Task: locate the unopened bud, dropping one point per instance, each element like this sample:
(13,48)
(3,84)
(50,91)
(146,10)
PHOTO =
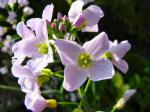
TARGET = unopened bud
(52,103)
(28,11)
(128,94)
(62,27)
(53,25)
(59,16)
(65,18)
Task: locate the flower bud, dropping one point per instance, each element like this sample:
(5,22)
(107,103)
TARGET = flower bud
(52,103)
(23,2)
(62,27)
(65,18)
(53,25)
(59,16)
(28,11)
(128,94)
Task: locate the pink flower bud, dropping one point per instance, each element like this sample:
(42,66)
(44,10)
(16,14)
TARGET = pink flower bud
(53,25)
(62,27)
(65,18)
(59,16)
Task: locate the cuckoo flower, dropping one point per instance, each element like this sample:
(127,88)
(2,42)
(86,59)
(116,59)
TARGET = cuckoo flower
(88,19)
(34,46)
(83,61)
(27,76)
(116,52)
(35,102)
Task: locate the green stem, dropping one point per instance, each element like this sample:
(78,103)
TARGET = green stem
(9,88)
(87,86)
(58,75)
(114,109)
(80,92)
(83,94)
(50,91)
(67,103)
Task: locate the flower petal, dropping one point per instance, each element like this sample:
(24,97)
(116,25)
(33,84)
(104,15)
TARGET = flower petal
(122,65)
(75,10)
(97,46)
(19,55)
(73,78)
(101,70)
(128,94)
(36,65)
(20,71)
(48,12)
(68,51)
(30,48)
(33,22)
(93,14)
(23,31)
(28,84)
(35,102)
(41,31)
(93,28)
(121,49)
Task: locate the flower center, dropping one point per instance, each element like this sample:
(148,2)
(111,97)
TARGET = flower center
(42,48)
(85,60)
(108,55)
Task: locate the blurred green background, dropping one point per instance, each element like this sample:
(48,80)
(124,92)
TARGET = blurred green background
(123,20)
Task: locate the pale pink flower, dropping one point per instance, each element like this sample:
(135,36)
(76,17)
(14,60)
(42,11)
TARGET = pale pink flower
(116,52)
(35,102)
(83,62)
(3,3)
(32,45)
(27,77)
(86,19)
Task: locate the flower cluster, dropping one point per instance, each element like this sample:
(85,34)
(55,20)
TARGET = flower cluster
(42,37)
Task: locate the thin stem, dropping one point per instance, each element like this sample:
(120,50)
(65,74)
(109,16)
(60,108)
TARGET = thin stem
(9,88)
(114,109)
(50,91)
(80,92)
(58,75)
(67,103)
(83,94)
(87,86)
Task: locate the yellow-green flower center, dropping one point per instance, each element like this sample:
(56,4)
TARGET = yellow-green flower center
(108,55)
(85,60)
(42,48)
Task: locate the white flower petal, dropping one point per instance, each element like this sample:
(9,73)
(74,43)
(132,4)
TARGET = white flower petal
(101,70)
(69,51)
(121,64)
(73,78)
(97,46)
(75,10)
(48,12)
